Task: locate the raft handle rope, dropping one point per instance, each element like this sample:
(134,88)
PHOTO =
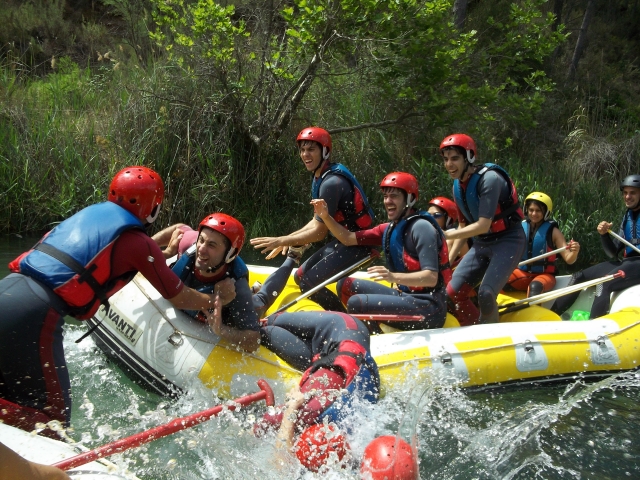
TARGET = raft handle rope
(177,333)
(600,340)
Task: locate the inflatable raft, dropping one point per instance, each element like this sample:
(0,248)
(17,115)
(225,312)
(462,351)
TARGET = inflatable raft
(168,351)
(47,451)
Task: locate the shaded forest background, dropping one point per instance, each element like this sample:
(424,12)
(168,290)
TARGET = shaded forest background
(212,96)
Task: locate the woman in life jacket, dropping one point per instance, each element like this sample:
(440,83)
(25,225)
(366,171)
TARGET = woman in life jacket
(445,212)
(543,235)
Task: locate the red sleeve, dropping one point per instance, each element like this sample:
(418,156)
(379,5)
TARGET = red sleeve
(135,251)
(373,236)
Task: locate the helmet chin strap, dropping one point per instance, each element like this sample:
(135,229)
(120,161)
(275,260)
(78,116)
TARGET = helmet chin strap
(320,165)
(228,258)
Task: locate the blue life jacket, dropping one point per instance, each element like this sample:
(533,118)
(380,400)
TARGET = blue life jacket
(184,268)
(399,260)
(468,201)
(74,259)
(631,231)
(362,214)
(541,243)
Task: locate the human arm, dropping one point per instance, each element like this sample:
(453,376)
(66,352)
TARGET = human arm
(314,231)
(343,235)
(423,278)
(286,432)
(13,466)
(611,247)
(570,255)
(455,248)
(241,327)
(480,227)
(163,237)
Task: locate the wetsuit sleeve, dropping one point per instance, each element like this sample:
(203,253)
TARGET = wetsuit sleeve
(422,242)
(135,251)
(613,247)
(337,192)
(239,313)
(491,188)
(373,236)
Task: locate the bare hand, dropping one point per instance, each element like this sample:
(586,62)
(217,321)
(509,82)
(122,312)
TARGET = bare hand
(174,243)
(226,290)
(604,227)
(380,273)
(574,246)
(214,316)
(320,208)
(273,245)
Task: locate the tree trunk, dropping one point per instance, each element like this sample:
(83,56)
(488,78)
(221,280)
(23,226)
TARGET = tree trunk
(460,13)
(557,11)
(582,38)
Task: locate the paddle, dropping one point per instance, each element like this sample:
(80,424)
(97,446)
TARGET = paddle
(163,430)
(379,317)
(628,244)
(545,297)
(335,278)
(544,255)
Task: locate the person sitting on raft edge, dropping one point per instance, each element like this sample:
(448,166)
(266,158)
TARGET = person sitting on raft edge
(630,264)
(208,261)
(347,204)
(416,254)
(543,235)
(490,213)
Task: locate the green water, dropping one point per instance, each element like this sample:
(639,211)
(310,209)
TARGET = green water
(573,431)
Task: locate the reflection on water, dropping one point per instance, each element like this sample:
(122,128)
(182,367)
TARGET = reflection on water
(559,432)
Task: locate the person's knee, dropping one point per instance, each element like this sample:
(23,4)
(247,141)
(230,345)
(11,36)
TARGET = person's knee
(459,295)
(486,299)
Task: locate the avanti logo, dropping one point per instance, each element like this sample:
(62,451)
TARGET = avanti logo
(122,325)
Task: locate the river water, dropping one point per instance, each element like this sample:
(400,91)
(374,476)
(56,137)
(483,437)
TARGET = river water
(569,431)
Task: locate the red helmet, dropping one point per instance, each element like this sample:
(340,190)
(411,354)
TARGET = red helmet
(230,228)
(463,141)
(389,457)
(139,190)
(447,205)
(319,135)
(318,443)
(403,181)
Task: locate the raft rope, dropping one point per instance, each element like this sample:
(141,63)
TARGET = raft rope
(177,331)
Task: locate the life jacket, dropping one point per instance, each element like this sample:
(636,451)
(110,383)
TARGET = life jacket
(399,260)
(74,259)
(631,231)
(184,268)
(362,214)
(507,212)
(360,370)
(542,242)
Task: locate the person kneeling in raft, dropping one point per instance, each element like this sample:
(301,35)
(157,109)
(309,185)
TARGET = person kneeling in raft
(416,253)
(543,236)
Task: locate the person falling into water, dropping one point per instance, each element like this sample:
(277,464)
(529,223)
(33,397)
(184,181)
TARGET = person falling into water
(543,235)
(416,253)
(630,264)
(346,203)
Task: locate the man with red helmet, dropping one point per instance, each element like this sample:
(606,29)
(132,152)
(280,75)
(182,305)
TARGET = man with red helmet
(209,262)
(489,212)
(73,270)
(416,253)
(346,203)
